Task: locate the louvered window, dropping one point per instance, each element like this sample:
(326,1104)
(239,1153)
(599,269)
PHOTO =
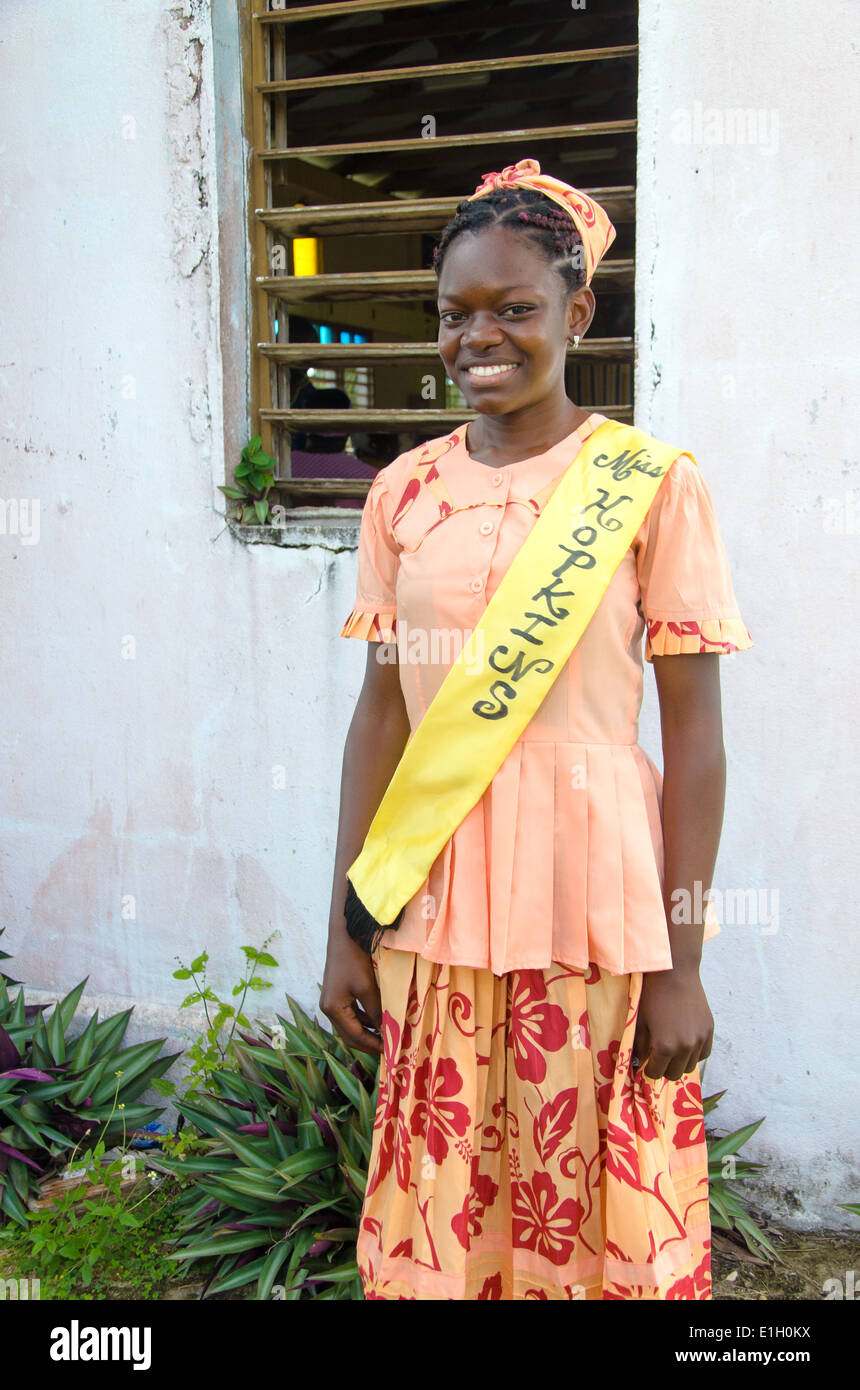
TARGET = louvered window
(370,120)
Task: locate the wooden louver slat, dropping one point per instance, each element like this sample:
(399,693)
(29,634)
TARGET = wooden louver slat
(436,70)
(581,130)
(398,215)
(361,354)
(393,284)
(385,421)
(337,9)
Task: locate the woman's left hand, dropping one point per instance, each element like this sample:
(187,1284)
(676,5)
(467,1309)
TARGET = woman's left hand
(674,1025)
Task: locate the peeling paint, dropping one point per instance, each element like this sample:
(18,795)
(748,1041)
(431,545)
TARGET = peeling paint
(187,39)
(186,32)
(199,414)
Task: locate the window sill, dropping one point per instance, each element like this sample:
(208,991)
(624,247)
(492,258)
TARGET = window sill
(332,528)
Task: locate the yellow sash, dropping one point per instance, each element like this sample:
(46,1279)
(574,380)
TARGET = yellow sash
(524,638)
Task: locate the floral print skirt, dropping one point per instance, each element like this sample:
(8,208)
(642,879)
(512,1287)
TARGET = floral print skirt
(516,1154)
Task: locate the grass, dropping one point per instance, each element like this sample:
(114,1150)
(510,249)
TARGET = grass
(134,1263)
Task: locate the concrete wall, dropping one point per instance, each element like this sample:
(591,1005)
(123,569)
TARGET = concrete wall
(157,669)
(177,700)
(747,292)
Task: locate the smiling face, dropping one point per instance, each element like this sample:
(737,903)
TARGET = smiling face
(505,319)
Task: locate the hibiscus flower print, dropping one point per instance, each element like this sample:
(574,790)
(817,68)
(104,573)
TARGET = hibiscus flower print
(436,1117)
(688,1107)
(393,1082)
(624,1292)
(536,1026)
(554,1124)
(689,629)
(395,1077)
(489,1184)
(622,1159)
(604,1096)
(390,1041)
(393,1152)
(542,1223)
(373,1225)
(482,1194)
(606,1058)
(696,1285)
(702,1275)
(636,1107)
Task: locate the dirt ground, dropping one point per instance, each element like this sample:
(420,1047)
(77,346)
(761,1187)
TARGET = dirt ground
(806,1262)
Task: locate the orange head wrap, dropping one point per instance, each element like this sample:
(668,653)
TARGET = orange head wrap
(591,221)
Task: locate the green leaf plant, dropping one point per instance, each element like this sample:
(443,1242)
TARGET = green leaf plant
(728,1209)
(57,1087)
(253,481)
(278,1178)
(213,1050)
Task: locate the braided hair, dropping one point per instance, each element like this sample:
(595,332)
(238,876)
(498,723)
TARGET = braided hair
(524,210)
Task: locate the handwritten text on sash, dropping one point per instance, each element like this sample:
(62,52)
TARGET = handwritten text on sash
(551,612)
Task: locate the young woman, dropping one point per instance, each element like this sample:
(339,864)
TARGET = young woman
(539,1011)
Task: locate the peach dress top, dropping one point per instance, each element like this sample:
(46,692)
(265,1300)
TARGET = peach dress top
(562,857)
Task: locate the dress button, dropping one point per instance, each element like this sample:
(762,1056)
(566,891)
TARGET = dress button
(476,586)
(486,528)
(498,479)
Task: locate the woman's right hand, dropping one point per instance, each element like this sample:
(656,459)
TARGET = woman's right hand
(350,997)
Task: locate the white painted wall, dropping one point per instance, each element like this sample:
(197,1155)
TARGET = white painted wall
(747,311)
(149,777)
(152,777)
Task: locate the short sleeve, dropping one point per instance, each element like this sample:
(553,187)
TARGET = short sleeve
(687,596)
(374,614)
